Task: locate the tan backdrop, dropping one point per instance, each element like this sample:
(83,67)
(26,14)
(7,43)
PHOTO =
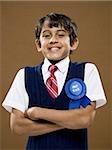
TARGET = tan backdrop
(18,20)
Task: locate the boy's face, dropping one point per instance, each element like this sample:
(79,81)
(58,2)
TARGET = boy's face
(55,42)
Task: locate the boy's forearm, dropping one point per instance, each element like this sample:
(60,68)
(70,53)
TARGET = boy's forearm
(21,125)
(73,119)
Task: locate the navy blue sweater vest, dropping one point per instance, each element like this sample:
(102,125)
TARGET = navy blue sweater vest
(38,96)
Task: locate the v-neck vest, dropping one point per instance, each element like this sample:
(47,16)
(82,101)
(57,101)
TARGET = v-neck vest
(38,96)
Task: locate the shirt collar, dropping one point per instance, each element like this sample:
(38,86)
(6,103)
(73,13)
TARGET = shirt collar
(62,65)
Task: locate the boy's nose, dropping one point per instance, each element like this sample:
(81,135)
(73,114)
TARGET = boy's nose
(53,39)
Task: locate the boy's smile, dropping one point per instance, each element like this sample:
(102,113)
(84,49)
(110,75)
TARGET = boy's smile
(54,47)
(54,42)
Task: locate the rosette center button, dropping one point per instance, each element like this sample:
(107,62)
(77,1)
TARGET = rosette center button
(76,88)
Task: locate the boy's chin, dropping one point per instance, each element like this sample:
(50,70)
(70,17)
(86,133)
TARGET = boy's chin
(54,61)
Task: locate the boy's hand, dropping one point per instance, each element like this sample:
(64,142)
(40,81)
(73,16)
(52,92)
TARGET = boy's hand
(33,113)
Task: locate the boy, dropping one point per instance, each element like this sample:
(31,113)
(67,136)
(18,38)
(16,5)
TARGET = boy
(40,97)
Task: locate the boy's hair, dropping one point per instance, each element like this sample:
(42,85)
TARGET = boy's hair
(56,20)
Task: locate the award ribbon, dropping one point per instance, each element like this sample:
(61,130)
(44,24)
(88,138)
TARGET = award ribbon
(75,89)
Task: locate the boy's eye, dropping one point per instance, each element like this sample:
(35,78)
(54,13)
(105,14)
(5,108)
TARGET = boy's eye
(47,35)
(61,34)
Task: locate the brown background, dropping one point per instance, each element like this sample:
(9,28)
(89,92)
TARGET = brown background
(17,47)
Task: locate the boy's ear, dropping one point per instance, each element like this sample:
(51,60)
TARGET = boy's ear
(75,44)
(38,45)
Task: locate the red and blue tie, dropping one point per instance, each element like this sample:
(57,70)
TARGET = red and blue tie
(51,82)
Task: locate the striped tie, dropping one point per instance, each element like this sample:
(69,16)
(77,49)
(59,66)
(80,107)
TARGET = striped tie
(51,82)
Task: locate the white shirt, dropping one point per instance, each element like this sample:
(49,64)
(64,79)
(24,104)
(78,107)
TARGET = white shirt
(17,96)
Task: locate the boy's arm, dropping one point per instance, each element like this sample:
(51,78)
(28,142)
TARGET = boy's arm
(21,125)
(72,119)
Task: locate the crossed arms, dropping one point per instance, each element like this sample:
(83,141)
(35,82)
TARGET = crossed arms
(27,123)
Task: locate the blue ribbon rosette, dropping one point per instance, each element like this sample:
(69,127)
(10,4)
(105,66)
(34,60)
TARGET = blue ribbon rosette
(76,89)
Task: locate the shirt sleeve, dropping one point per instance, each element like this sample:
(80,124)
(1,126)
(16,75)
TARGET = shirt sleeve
(95,91)
(17,96)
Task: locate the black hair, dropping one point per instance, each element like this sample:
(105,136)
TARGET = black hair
(56,20)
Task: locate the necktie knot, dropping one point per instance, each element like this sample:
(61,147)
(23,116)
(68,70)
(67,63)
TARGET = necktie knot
(52,68)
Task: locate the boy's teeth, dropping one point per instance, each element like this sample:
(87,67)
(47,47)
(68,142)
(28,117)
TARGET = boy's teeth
(54,48)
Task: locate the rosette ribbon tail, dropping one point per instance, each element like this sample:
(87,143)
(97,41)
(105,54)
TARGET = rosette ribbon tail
(74,104)
(85,101)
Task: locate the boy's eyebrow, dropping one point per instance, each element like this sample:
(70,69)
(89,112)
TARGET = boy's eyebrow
(56,31)
(45,31)
(61,30)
